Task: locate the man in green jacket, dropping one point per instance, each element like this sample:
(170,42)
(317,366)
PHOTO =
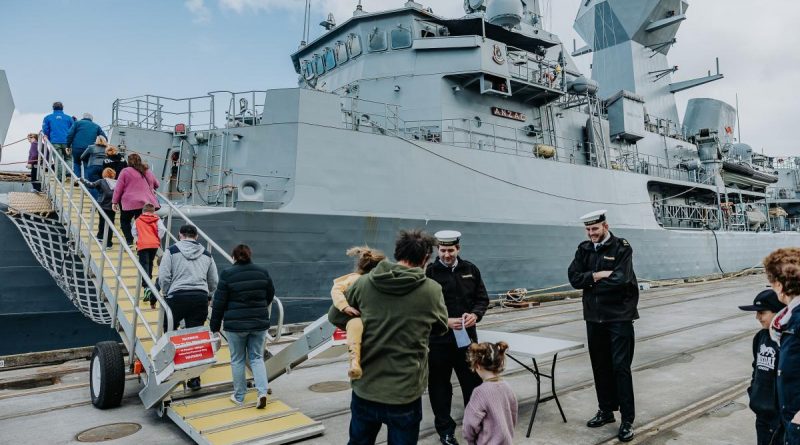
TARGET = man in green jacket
(401,309)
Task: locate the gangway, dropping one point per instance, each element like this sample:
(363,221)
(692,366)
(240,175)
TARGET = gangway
(166,358)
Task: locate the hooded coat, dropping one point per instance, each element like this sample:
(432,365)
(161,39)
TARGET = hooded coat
(400,309)
(187,266)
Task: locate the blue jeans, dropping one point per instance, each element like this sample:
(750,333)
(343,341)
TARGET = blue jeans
(76,161)
(252,343)
(402,421)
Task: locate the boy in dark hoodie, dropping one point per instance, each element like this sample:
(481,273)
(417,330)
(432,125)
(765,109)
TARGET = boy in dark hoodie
(763,391)
(105,187)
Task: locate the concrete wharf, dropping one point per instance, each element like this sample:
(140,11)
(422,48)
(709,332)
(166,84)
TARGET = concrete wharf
(691,368)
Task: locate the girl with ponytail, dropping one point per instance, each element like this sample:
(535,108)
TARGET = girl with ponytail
(491,415)
(366,260)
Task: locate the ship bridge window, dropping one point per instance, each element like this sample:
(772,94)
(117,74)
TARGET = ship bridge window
(341,53)
(308,69)
(354,45)
(330,59)
(377,40)
(401,37)
(319,65)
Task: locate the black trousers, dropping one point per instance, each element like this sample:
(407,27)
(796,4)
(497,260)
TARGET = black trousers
(101,227)
(126,217)
(443,359)
(37,186)
(769,430)
(192,307)
(146,259)
(611,352)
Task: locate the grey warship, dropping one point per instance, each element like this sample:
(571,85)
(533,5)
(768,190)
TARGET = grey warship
(484,124)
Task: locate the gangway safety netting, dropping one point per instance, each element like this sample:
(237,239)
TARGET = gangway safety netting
(49,243)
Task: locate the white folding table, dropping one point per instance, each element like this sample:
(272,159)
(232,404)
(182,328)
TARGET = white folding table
(536,348)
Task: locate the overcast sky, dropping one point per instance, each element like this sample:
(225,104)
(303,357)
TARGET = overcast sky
(87,53)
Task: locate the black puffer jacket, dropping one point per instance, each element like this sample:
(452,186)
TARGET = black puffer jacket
(611,299)
(243,296)
(464,292)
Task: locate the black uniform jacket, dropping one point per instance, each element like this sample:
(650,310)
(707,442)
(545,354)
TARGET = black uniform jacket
(611,299)
(464,292)
(763,391)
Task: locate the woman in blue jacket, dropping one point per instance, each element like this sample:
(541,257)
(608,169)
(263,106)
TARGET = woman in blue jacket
(783,272)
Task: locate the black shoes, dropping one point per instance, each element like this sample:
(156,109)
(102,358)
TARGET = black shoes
(625,432)
(193,384)
(448,439)
(600,419)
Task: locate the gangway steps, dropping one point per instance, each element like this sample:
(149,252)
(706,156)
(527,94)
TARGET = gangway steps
(208,419)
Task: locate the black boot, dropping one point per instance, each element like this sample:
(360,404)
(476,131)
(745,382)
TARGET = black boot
(600,419)
(625,431)
(193,384)
(448,439)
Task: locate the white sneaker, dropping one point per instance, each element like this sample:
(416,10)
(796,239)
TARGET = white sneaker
(236,402)
(262,402)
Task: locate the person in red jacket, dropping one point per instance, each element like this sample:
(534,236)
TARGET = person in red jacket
(148,229)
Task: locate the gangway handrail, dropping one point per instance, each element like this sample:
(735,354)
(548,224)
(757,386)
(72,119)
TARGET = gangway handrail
(213,247)
(51,157)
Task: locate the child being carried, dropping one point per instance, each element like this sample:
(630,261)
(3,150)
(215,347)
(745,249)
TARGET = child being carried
(366,260)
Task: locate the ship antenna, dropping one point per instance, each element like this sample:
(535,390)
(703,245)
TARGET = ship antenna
(306,25)
(738,119)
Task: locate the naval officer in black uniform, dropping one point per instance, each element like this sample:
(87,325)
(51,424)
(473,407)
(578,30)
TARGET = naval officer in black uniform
(466,300)
(603,269)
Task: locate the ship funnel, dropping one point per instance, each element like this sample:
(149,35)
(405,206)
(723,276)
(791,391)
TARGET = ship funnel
(506,13)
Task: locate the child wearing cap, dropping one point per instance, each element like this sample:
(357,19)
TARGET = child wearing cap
(366,260)
(763,391)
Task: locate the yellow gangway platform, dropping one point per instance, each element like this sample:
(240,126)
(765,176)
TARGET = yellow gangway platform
(208,416)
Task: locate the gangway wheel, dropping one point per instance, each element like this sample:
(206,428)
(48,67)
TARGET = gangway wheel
(107,375)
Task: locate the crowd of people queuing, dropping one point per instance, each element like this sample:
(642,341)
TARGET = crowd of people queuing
(411,323)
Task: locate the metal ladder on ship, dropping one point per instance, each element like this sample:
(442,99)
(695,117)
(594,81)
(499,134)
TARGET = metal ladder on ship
(208,416)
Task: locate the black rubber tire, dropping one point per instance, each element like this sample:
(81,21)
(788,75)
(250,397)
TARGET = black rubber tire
(111,367)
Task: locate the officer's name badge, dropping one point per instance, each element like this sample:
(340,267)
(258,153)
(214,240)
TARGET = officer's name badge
(610,258)
(466,276)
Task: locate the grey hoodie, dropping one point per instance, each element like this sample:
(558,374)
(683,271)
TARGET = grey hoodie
(187,266)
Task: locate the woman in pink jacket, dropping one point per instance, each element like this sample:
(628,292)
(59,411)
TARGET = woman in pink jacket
(135,188)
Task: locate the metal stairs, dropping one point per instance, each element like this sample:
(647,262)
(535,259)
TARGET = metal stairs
(207,416)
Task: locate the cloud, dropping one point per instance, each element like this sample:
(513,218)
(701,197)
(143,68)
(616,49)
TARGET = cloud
(199,10)
(21,125)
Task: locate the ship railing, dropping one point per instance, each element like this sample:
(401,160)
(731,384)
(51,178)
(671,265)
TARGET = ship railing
(686,216)
(245,108)
(112,267)
(370,116)
(784,224)
(533,68)
(164,113)
(656,166)
(175,216)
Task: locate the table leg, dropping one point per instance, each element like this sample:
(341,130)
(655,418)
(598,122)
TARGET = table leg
(553,387)
(538,396)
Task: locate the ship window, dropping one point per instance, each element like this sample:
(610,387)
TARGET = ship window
(308,69)
(330,59)
(319,66)
(341,53)
(401,37)
(377,40)
(354,45)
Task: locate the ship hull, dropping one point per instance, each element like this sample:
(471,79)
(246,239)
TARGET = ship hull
(305,252)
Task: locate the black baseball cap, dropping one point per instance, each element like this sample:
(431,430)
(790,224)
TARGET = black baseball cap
(766,300)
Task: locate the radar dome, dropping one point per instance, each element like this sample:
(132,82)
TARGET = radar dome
(507,13)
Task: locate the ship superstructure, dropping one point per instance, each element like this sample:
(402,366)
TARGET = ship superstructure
(403,118)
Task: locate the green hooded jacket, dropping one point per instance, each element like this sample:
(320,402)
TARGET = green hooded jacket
(401,309)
